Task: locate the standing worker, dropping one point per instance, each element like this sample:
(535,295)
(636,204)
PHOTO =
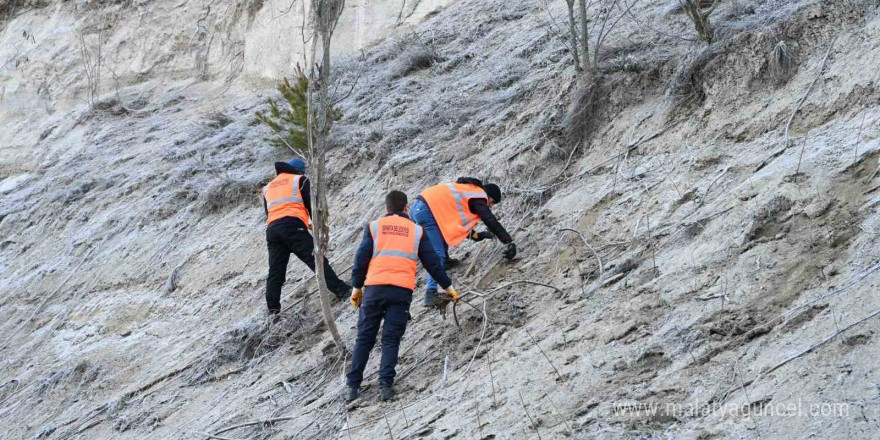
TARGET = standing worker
(449,212)
(288,205)
(386,263)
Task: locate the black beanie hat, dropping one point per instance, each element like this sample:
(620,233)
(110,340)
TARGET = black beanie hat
(493,191)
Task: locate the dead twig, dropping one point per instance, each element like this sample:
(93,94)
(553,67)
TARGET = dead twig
(561,415)
(627,149)
(746,393)
(596,254)
(856,143)
(492,381)
(390,434)
(545,355)
(253,423)
(531,421)
(506,285)
(823,342)
(482,333)
(476,258)
(797,171)
(712,183)
(797,108)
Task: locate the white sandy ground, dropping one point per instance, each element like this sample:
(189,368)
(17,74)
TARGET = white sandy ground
(733,302)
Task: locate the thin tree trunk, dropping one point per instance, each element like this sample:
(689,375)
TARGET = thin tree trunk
(574,36)
(325,16)
(585,36)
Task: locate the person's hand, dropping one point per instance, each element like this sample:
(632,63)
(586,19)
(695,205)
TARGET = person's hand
(309,226)
(509,251)
(453,294)
(480,236)
(357,297)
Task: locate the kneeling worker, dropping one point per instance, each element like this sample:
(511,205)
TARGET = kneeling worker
(449,212)
(287,200)
(386,263)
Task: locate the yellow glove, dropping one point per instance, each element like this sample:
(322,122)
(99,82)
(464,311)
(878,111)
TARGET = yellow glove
(309,226)
(357,297)
(452,293)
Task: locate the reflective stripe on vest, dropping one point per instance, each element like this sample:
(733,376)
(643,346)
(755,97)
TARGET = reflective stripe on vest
(414,255)
(459,203)
(395,254)
(290,204)
(449,204)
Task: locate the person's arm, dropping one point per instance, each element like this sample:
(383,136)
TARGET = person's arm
(481,208)
(362,260)
(305,190)
(265,205)
(432,264)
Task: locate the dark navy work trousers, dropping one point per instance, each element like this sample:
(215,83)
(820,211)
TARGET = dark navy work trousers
(388,303)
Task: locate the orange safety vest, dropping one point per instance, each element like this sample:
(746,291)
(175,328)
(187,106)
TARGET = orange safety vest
(449,203)
(395,252)
(284,199)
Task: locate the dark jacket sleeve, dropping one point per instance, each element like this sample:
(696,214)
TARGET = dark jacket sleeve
(305,190)
(431,262)
(481,208)
(265,205)
(362,259)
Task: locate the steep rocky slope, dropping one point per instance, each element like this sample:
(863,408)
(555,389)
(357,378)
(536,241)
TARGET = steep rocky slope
(708,275)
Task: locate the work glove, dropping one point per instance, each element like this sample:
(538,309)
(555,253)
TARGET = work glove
(357,297)
(480,236)
(309,227)
(453,294)
(509,251)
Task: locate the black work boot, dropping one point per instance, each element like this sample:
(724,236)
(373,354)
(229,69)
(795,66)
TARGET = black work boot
(342,291)
(351,393)
(451,263)
(386,393)
(430,297)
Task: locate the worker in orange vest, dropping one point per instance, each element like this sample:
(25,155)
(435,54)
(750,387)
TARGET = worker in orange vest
(448,212)
(386,263)
(287,201)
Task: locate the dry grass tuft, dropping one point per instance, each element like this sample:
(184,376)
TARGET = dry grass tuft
(248,340)
(415,57)
(781,64)
(686,88)
(584,113)
(413,54)
(227,195)
(77,375)
(217,120)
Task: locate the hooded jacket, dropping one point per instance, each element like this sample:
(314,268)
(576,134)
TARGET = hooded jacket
(304,188)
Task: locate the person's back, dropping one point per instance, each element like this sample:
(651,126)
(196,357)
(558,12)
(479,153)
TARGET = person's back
(449,212)
(287,202)
(383,279)
(284,199)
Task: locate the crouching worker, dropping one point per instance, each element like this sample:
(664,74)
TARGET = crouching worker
(287,201)
(449,212)
(386,263)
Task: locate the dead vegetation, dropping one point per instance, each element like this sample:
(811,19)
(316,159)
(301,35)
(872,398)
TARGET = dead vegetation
(686,89)
(248,340)
(78,376)
(227,195)
(585,111)
(415,55)
(781,63)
